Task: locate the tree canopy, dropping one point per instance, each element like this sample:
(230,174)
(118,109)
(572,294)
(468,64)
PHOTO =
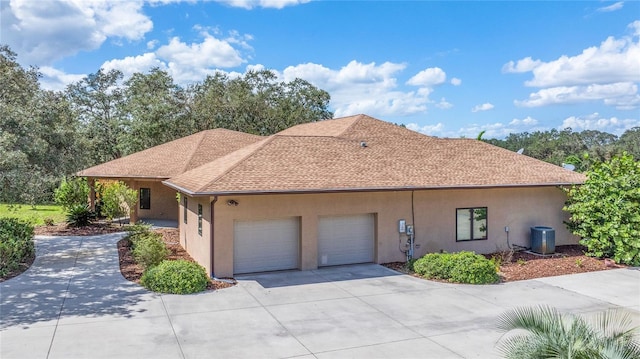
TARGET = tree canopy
(605,210)
(47,135)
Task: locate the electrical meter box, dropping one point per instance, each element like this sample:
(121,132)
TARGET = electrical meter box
(402,225)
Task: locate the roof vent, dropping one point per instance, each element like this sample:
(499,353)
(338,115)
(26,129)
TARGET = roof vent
(363,144)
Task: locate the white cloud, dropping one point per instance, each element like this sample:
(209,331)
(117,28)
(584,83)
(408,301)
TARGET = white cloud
(428,77)
(250,4)
(623,95)
(152,44)
(527,121)
(44,31)
(444,104)
(608,72)
(431,130)
(525,65)
(187,63)
(613,61)
(54,79)
(209,53)
(596,122)
(363,88)
(484,107)
(456,81)
(501,130)
(612,7)
(132,64)
(492,130)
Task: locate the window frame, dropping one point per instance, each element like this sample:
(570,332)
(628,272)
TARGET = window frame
(146,199)
(185,211)
(199,219)
(472,223)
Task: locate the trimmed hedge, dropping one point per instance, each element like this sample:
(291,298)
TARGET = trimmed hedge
(16,244)
(175,277)
(461,267)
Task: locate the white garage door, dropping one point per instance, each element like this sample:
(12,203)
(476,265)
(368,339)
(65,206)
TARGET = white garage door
(346,239)
(265,245)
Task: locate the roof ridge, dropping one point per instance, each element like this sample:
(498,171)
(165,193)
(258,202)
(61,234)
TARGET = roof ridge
(357,119)
(241,160)
(194,151)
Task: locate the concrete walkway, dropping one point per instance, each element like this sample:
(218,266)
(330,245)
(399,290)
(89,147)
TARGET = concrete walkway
(73,303)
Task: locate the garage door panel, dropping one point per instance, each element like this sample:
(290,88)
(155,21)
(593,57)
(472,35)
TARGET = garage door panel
(346,239)
(266,245)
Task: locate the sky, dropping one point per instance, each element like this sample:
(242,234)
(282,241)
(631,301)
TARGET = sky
(447,69)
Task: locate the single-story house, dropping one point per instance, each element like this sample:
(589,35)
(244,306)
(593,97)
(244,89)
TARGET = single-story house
(346,190)
(145,170)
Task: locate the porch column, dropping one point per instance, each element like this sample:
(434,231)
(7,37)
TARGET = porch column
(133,212)
(92,193)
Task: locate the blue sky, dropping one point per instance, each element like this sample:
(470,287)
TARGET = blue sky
(447,69)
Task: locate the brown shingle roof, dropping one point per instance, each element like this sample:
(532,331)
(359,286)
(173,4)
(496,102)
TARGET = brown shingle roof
(173,158)
(330,156)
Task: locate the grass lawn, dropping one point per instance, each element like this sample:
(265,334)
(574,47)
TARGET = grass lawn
(35,215)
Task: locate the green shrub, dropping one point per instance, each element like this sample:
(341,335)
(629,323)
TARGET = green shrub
(176,277)
(434,266)
(137,230)
(461,267)
(149,249)
(80,215)
(473,268)
(118,200)
(410,263)
(16,244)
(72,192)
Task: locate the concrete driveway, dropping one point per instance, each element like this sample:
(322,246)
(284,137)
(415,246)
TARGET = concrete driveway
(73,303)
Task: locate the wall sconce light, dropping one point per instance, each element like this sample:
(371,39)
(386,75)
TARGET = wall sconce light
(232,202)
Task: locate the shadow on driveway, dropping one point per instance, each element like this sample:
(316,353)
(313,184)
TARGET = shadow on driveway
(321,275)
(71,277)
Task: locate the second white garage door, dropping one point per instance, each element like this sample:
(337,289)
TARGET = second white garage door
(266,245)
(346,239)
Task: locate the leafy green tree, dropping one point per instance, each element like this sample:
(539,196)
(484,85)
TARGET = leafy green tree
(72,192)
(118,200)
(581,149)
(605,210)
(256,103)
(157,111)
(98,101)
(630,142)
(543,332)
(38,138)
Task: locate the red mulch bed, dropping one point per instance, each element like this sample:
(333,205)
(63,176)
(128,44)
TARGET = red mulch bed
(61,229)
(133,271)
(523,265)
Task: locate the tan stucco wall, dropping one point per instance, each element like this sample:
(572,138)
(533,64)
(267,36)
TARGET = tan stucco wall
(517,208)
(163,200)
(435,216)
(198,246)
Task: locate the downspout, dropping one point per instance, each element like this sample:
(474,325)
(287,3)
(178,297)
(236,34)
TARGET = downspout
(211,227)
(412,236)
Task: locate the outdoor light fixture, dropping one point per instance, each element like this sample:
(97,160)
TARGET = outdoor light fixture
(232,202)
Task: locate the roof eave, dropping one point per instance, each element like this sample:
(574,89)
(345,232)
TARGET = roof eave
(80,174)
(363,189)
